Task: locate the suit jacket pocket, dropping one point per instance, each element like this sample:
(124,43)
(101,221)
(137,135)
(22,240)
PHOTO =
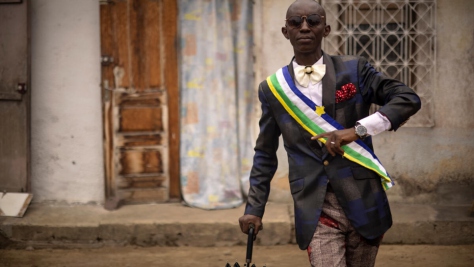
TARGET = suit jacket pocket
(346,113)
(361,173)
(346,103)
(297,185)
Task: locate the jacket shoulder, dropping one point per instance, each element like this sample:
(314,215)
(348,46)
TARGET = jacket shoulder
(345,58)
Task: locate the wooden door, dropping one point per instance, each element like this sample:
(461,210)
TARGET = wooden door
(140,100)
(14,97)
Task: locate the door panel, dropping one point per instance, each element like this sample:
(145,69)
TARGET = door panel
(139,94)
(141,119)
(137,161)
(14,103)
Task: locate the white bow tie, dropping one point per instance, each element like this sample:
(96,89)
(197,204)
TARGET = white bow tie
(305,74)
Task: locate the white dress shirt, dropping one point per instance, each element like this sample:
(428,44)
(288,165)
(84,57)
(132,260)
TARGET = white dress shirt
(375,123)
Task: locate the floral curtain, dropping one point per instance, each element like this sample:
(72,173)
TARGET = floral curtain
(216,79)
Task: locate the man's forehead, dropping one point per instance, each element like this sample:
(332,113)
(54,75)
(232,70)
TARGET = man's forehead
(305,7)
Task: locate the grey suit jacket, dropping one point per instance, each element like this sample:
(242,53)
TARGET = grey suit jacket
(358,190)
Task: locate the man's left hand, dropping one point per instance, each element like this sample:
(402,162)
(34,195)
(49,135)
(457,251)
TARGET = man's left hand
(336,139)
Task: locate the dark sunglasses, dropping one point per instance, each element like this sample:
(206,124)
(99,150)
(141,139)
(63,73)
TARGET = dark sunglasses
(297,21)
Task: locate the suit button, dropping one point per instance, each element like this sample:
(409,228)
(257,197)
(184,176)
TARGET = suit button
(326,163)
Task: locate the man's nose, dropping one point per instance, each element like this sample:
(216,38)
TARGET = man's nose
(304,25)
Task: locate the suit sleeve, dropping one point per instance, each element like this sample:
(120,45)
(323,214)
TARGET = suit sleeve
(265,160)
(398,102)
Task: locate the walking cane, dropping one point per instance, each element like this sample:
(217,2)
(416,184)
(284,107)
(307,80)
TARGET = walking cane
(248,257)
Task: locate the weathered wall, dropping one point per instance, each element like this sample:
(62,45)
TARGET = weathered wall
(430,165)
(272,51)
(66,124)
(436,165)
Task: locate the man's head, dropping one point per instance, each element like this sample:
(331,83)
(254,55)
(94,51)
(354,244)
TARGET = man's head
(305,27)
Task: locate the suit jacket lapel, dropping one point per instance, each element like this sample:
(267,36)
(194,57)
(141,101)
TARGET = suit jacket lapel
(329,86)
(291,70)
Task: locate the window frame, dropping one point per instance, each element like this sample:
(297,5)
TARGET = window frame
(415,32)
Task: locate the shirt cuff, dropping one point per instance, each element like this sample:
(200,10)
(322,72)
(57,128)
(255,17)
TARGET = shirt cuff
(376,123)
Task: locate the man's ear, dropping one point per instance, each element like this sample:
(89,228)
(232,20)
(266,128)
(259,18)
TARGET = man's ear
(285,32)
(327,30)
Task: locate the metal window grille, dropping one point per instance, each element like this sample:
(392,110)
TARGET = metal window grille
(397,36)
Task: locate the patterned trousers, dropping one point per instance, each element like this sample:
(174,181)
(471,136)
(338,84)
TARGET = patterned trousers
(336,243)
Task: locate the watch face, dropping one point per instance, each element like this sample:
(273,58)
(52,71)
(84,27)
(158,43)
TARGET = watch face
(361,130)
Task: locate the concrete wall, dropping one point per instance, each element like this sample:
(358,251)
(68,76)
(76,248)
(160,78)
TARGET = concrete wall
(436,165)
(272,51)
(66,124)
(430,165)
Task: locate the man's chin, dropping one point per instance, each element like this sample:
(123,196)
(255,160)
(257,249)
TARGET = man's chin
(307,49)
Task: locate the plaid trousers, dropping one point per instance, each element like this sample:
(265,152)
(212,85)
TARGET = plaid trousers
(335,242)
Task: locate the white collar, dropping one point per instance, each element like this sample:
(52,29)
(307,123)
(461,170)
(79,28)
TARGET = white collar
(319,62)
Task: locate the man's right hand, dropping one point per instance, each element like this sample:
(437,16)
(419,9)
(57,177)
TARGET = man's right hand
(248,219)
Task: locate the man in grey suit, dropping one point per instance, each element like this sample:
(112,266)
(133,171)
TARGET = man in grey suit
(320,105)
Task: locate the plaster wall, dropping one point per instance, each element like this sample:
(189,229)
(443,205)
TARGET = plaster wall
(272,51)
(430,165)
(66,124)
(436,165)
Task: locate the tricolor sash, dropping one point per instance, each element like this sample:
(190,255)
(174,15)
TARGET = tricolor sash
(314,120)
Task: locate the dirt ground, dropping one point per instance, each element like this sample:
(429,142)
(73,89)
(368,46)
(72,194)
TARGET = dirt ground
(274,256)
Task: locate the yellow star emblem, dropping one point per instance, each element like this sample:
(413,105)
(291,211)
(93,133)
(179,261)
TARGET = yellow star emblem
(320,110)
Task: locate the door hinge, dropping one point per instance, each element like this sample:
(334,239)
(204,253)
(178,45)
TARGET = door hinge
(106,60)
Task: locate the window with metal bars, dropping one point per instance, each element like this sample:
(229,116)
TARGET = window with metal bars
(397,36)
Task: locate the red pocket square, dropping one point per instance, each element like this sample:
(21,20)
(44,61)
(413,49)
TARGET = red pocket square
(346,92)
